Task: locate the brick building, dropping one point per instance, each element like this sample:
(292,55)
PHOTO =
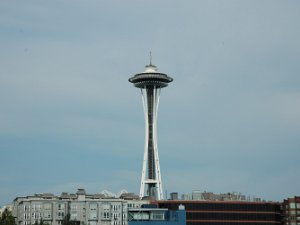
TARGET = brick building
(228,212)
(291,211)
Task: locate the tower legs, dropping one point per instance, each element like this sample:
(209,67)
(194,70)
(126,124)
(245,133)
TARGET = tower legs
(151,175)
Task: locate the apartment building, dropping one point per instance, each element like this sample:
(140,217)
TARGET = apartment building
(291,211)
(96,209)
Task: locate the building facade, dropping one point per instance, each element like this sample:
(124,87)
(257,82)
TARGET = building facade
(149,215)
(198,195)
(96,209)
(291,211)
(227,212)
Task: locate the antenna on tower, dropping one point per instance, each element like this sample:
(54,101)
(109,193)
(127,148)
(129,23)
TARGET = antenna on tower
(150,59)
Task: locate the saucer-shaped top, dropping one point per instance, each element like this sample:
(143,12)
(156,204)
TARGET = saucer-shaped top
(150,78)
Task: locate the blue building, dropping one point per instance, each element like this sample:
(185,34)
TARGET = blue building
(152,215)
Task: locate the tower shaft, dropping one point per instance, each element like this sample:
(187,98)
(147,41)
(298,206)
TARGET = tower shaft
(151,175)
(150,82)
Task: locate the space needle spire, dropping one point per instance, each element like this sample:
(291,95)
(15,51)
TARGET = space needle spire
(150,82)
(150,58)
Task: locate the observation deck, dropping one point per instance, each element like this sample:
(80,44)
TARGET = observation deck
(150,77)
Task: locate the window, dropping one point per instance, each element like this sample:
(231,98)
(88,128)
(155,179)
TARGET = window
(106,211)
(47,215)
(74,207)
(36,216)
(47,206)
(115,215)
(60,214)
(38,207)
(93,206)
(292,205)
(141,216)
(106,207)
(106,215)
(157,216)
(93,215)
(61,206)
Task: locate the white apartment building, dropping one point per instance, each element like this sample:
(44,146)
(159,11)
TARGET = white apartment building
(96,209)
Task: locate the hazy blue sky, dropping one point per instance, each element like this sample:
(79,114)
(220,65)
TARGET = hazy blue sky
(69,118)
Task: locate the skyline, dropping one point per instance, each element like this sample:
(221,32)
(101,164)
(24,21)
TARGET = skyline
(69,118)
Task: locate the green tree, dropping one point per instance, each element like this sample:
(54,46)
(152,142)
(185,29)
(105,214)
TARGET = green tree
(7,218)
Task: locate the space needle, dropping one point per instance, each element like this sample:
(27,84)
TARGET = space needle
(150,82)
